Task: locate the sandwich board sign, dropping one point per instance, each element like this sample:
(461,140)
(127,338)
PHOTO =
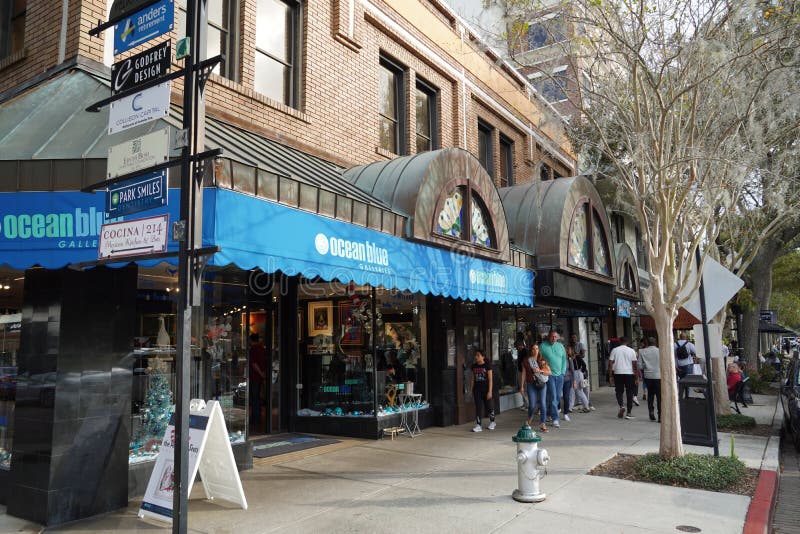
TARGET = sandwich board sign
(210,454)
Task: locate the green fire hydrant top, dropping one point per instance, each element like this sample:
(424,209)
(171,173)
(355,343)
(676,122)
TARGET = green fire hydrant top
(526,435)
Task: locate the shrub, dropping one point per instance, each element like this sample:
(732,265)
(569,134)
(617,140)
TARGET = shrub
(735,420)
(760,378)
(692,470)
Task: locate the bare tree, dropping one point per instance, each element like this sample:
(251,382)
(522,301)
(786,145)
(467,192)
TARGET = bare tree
(670,95)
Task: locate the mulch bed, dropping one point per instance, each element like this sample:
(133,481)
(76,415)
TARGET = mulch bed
(621,466)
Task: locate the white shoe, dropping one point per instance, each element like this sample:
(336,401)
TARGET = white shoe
(629,416)
(591,408)
(492,425)
(566,417)
(477,428)
(636,401)
(556,424)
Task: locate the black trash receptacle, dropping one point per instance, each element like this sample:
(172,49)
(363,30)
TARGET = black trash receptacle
(695,411)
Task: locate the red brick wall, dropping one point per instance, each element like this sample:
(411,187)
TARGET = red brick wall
(337,114)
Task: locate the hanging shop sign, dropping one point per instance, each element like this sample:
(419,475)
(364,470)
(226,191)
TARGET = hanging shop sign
(133,238)
(138,153)
(136,70)
(140,194)
(769,316)
(623,308)
(141,108)
(144,25)
(210,454)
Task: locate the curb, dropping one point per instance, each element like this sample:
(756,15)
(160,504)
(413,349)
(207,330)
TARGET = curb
(762,506)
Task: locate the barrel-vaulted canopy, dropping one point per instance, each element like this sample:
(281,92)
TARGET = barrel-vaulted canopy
(422,185)
(564,224)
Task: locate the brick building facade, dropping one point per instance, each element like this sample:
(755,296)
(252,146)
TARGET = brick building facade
(336,48)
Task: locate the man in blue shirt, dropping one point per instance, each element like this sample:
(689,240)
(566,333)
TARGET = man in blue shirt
(556,355)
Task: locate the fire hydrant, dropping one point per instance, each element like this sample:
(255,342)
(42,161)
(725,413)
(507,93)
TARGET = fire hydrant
(530,460)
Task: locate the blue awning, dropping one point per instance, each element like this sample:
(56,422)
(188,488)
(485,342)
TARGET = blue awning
(57,229)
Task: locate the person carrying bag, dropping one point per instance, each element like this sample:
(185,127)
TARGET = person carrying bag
(533,378)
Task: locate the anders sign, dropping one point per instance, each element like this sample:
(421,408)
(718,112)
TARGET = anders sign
(133,238)
(136,70)
(144,25)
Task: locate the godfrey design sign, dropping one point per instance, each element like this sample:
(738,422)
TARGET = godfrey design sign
(135,70)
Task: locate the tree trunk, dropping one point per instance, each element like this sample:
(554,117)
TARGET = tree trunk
(760,283)
(719,381)
(670,445)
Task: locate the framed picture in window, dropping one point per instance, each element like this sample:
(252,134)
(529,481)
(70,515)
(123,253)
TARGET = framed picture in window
(351,326)
(320,318)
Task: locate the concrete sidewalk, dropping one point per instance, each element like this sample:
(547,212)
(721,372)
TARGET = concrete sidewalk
(452,480)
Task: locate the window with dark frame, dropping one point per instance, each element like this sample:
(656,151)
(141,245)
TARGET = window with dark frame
(390,107)
(506,161)
(12,26)
(222,34)
(276,68)
(546,32)
(486,147)
(427,118)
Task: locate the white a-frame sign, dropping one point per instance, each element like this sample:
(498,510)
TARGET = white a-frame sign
(210,453)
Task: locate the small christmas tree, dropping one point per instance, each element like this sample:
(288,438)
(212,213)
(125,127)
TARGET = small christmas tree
(157,407)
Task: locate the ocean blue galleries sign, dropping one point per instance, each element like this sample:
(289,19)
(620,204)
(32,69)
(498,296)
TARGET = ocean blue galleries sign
(139,194)
(144,25)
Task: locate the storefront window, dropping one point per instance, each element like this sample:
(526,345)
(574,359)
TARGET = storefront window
(217,350)
(350,352)
(337,365)
(10,324)
(508,365)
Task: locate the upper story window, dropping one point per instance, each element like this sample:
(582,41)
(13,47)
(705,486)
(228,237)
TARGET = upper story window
(619,227)
(390,107)
(454,211)
(12,26)
(427,119)
(627,278)
(553,87)
(277,38)
(506,161)
(222,35)
(486,147)
(545,31)
(588,248)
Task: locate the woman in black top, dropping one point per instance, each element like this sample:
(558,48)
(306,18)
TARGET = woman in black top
(481,387)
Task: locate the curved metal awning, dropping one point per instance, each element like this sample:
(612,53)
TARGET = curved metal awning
(414,185)
(540,215)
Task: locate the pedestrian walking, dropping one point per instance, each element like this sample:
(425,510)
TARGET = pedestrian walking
(684,355)
(624,373)
(534,379)
(579,384)
(481,387)
(568,391)
(650,360)
(553,351)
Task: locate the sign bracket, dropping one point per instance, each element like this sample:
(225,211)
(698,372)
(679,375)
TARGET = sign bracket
(205,253)
(207,154)
(202,66)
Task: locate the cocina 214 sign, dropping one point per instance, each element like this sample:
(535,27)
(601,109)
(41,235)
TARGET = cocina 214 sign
(134,237)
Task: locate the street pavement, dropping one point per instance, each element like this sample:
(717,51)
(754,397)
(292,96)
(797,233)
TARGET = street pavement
(453,480)
(787,511)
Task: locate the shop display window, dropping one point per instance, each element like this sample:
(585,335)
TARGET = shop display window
(218,358)
(356,362)
(10,324)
